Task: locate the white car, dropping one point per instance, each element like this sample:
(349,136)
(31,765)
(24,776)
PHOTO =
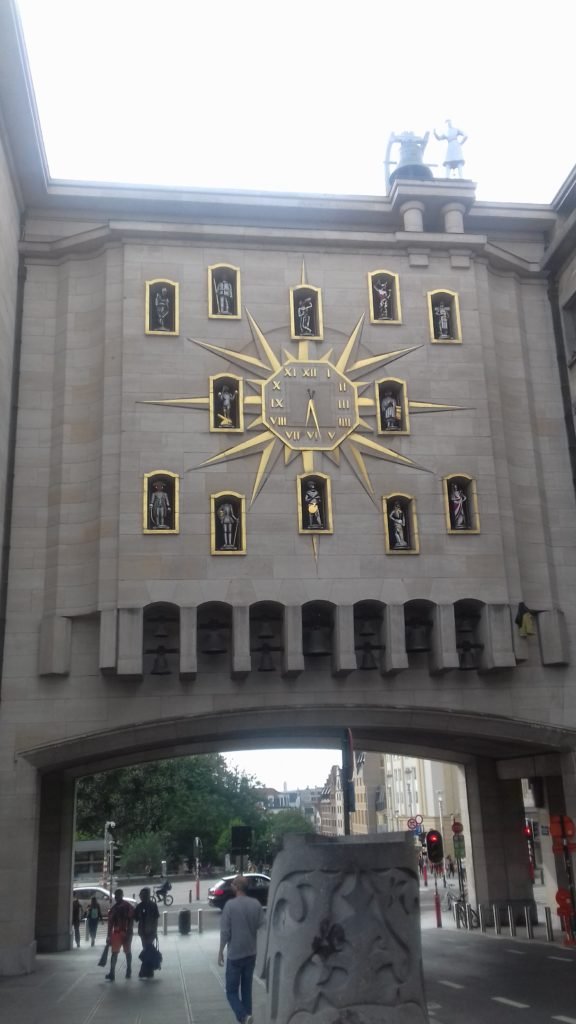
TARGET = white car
(87,891)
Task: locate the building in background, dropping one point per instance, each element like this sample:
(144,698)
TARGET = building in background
(392,789)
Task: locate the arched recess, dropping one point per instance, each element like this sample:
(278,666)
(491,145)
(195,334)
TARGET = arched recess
(369,635)
(419,627)
(317,633)
(214,632)
(266,636)
(161,636)
(469,643)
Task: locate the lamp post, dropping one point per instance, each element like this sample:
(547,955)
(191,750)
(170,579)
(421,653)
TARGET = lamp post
(440,796)
(107,864)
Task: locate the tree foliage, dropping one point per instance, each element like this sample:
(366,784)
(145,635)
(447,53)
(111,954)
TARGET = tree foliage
(269,841)
(176,800)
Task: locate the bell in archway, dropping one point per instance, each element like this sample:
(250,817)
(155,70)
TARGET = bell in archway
(468,656)
(367,659)
(160,666)
(265,632)
(266,663)
(418,637)
(317,642)
(214,642)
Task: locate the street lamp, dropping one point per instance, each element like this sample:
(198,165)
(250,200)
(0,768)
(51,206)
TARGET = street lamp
(440,796)
(107,865)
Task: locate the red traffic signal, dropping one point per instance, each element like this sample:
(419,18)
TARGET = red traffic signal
(434,846)
(528,831)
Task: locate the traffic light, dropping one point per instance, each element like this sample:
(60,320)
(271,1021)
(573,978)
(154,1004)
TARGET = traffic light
(528,832)
(434,846)
(116,856)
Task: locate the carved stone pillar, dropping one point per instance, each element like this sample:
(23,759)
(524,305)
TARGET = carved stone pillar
(453,214)
(412,212)
(343,932)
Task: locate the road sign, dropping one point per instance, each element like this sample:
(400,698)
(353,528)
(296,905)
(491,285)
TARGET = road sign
(457,827)
(412,824)
(459,846)
(419,819)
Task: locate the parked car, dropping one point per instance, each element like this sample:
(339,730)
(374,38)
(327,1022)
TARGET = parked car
(86,892)
(221,891)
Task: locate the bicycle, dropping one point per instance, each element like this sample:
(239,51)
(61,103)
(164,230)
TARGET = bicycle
(465,915)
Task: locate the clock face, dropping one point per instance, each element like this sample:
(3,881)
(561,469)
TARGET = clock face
(310,405)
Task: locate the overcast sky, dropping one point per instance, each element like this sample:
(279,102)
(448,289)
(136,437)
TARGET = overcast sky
(302,96)
(297,768)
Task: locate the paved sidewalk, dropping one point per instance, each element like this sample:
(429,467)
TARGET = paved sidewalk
(69,988)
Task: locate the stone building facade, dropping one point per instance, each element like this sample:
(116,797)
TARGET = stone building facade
(276,466)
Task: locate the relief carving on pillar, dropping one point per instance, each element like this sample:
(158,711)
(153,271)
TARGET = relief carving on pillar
(343,940)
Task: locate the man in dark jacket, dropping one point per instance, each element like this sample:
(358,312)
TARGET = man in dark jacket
(147,914)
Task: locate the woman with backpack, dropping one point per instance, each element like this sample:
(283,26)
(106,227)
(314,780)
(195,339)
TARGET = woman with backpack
(93,916)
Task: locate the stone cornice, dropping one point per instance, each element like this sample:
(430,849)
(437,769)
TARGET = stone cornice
(236,236)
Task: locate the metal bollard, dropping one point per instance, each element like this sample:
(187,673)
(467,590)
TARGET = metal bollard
(469,924)
(456,915)
(549,929)
(200,921)
(482,917)
(511,921)
(165,922)
(528,919)
(87,931)
(497,921)
(189,895)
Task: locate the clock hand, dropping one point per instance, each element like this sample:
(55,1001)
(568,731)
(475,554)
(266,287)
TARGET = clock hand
(311,413)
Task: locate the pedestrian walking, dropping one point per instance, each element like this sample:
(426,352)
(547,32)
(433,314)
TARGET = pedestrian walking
(94,917)
(76,918)
(120,926)
(146,915)
(242,916)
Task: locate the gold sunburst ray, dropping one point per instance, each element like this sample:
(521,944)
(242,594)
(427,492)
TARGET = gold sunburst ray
(263,344)
(381,452)
(434,407)
(356,461)
(350,346)
(238,450)
(373,362)
(289,455)
(267,459)
(367,403)
(363,425)
(240,358)
(200,403)
(256,424)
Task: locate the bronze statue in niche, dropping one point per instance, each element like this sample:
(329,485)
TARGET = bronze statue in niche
(161,307)
(161,503)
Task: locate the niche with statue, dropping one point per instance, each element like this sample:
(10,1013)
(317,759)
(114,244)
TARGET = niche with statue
(400,525)
(444,316)
(228,523)
(384,297)
(461,504)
